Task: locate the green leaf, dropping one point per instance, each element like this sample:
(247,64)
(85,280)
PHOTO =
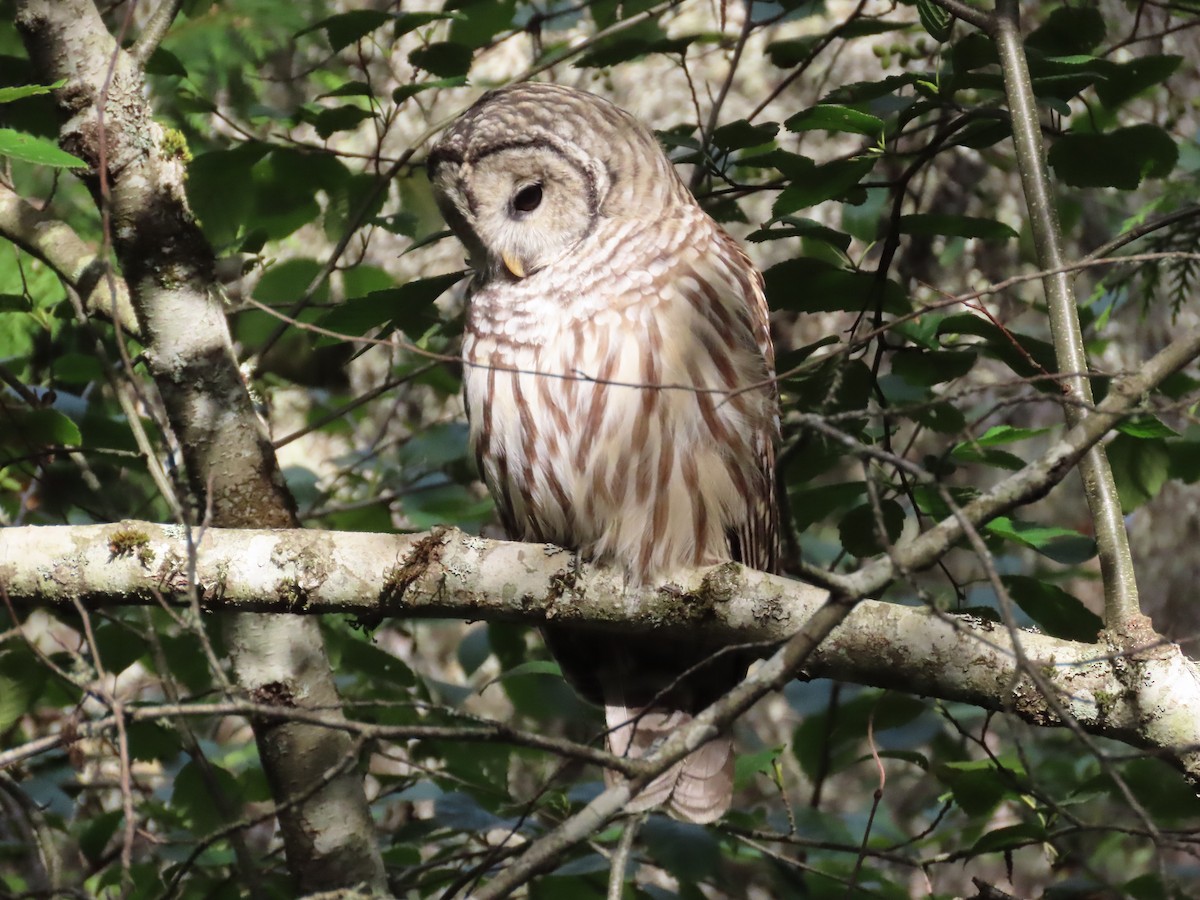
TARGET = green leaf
(1010,837)
(811,505)
(936,21)
(347,28)
(831,117)
(98,831)
(43,427)
(382,669)
(1120,158)
(930,224)
(222,212)
(443,59)
(790,165)
(164,62)
(740,134)
(150,740)
(690,852)
(477,22)
(748,765)
(119,648)
(1069,31)
(859,527)
(813,285)
(1011,347)
(286,282)
(19,145)
(1124,81)
(792,52)
(977,786)
(531,667)
(22,680)
(1147,426)
(794,226)
(624,47)
(823,183)
(341,118)
(1059,544)
(410,21)
(192,796)
(408,308)
(1056,612)
(863,91)
(402,93)
(1007,434)
(9,94)
(923,368)
(1141,466)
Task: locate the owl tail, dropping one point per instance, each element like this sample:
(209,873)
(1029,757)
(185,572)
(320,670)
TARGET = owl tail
(698,788)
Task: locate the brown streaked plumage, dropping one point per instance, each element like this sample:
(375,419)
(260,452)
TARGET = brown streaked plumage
(618,384)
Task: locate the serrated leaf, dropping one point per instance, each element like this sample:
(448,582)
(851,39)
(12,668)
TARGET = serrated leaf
(740,134)
(936,21)
(1147,427)
(793,226)
(26,147)
(1140,466)
(342,118)
(9,94)
(443,59)
(832,117)
(1124,81)
(1056,612)
(930,224)
(1069,31)
(822,183)
(347,28)
(1120,158)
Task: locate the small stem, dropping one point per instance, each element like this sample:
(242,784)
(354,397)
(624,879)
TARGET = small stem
(1120,586)
(620,858)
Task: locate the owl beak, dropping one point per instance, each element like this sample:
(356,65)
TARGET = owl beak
(513,264)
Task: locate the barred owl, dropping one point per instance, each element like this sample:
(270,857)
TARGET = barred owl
(618,380)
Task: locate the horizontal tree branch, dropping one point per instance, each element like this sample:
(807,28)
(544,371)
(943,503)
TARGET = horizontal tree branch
(446,573)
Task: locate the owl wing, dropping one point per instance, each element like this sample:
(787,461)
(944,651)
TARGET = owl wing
(740,297)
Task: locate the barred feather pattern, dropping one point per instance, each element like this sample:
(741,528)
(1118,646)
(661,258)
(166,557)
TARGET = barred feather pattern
(620,396)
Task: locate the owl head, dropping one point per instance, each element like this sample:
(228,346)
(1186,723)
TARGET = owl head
(525,174)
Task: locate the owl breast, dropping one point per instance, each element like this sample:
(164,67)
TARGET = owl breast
(629,401)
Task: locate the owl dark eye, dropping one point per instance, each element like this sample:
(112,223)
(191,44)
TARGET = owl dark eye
(528,198)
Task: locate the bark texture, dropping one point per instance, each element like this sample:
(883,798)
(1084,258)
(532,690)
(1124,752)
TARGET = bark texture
(1149,697)
(137,179)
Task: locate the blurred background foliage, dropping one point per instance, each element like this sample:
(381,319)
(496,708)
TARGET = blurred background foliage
(862,152)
